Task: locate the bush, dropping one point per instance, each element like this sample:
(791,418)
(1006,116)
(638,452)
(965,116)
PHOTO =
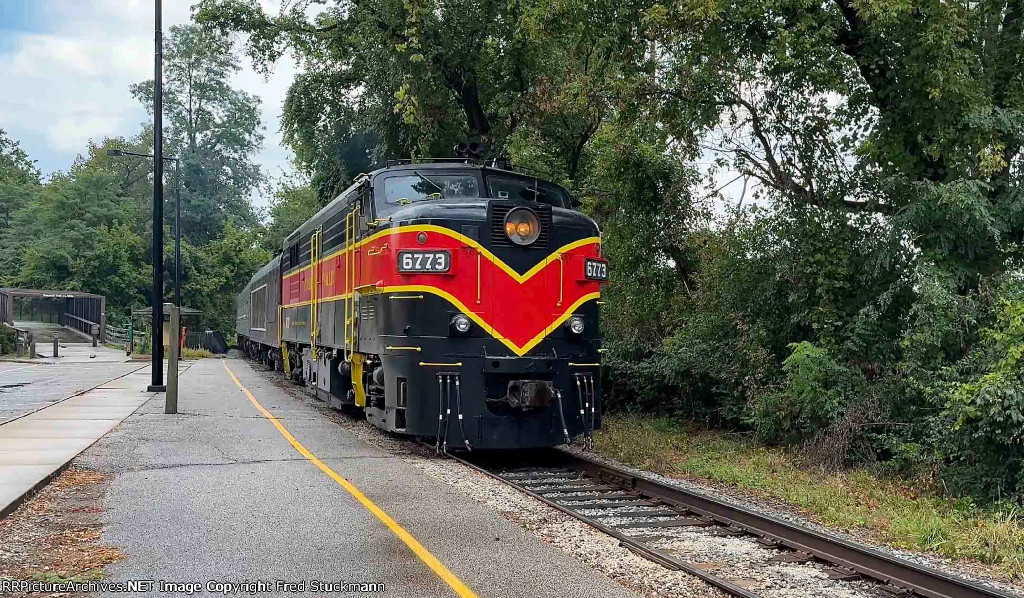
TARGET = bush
(8,337)
(986,407)
(809,332)
(815,394)
(195,354)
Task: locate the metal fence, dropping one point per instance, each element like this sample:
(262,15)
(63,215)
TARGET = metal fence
(86,327)
(210,340)
(6,313)
(120,337)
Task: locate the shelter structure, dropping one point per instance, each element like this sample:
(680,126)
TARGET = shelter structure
(84,312)
(189,317)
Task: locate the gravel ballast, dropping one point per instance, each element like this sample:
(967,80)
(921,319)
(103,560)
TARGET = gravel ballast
(737,559)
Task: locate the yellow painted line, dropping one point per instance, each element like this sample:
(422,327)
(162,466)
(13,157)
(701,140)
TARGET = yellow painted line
(456,584)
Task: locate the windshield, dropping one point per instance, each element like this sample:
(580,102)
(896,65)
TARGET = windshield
(500,187)
(410,188)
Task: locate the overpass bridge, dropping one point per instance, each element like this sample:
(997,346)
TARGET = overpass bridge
(70,316)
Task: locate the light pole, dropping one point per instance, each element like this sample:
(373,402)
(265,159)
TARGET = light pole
(157,382)
(117,153)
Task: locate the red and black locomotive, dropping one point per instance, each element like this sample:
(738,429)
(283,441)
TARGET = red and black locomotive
(447,299)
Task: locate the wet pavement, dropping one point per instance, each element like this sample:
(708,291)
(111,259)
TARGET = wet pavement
(36,447)
(221,493)
(45,332)
(27,387)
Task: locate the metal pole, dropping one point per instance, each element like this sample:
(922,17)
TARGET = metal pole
(171,399)
(157,384)
(177,232)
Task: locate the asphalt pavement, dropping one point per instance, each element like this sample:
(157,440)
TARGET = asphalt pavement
(219,493)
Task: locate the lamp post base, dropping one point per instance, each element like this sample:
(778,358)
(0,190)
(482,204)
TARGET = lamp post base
(155,388)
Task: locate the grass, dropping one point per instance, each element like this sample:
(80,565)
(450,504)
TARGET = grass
(195,354)
(899,512)
(50,577)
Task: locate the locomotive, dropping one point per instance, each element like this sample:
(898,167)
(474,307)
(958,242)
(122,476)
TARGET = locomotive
(449,299)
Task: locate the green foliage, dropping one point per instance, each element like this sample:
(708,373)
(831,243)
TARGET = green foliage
(8,337)
(293,203)
(214,128)
(90,228)
(218,271)
(19,179)
(816,392)
(852,299)
(985,402)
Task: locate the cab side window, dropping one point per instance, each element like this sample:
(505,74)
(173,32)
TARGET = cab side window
(365,208)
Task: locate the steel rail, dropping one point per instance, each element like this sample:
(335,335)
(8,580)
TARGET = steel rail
(900,575)
(634,545)
(920,580)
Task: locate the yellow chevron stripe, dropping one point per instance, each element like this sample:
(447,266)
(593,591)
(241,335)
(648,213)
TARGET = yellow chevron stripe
(520,351)
(432,228)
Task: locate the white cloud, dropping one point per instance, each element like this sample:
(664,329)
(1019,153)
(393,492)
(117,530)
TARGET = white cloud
(68,85)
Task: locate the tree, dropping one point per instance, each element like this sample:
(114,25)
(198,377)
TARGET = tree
(97,250)
(294,203)
(218,273)
(19,178)
(214,128)
(134,175)
(420,77)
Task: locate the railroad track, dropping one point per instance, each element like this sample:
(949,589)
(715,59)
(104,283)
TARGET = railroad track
(639,511)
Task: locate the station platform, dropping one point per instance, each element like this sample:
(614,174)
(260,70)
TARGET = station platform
(27,385)
(36,445)
(248,483)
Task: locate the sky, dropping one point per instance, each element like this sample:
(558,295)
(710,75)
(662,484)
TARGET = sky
(65,69)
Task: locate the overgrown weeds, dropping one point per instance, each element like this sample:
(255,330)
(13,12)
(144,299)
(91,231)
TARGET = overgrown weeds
(901,512)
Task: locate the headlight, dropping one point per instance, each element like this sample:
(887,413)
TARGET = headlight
(522,226)
(461,323)
(575,324)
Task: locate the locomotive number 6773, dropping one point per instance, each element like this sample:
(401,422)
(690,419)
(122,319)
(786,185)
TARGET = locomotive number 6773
(449,299)
(424,261)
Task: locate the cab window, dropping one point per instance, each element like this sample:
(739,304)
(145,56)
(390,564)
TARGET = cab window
(502,187)
(418,186)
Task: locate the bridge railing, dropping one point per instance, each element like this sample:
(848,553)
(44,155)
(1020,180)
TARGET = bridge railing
(23,342)
(6,309)
(86,327)
(122,336)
